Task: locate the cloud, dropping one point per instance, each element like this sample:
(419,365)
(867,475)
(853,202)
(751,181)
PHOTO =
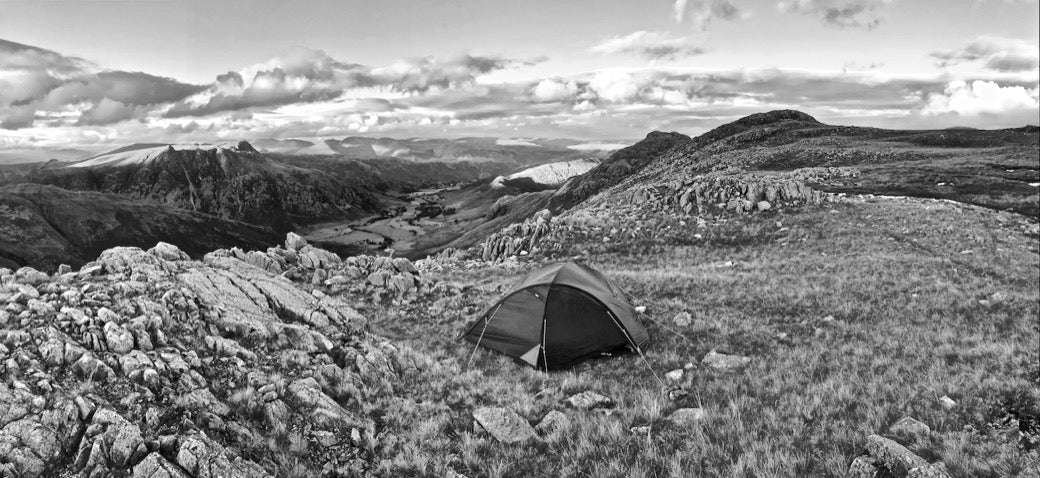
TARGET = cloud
(983,98)
(840,13)
(701,12)
(552,89)
(35,82)
(995,53)
(649,45)
(305,75)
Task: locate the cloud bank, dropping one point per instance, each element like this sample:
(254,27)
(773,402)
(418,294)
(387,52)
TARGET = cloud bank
(54,100)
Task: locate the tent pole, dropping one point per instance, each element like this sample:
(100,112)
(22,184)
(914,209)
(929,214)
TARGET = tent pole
(636,346)
(475,346)
(545,360)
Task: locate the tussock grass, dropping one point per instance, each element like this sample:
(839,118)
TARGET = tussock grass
(912,318)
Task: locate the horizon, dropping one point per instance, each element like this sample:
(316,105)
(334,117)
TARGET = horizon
(593,72)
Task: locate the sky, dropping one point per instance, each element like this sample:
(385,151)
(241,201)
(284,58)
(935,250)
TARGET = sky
(93,74)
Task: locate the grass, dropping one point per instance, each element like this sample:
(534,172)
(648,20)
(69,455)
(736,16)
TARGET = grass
(928,299)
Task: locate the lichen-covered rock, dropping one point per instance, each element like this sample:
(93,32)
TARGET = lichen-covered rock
(893,456)
(504,424)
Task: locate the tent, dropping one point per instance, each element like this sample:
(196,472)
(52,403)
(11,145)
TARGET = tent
(558,315)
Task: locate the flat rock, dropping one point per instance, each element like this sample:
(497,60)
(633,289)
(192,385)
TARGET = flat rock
(589,400)
(552,421)
(687,416)
(504,424)
(725,362)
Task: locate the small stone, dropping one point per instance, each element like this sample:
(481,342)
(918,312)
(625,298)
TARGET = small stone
(763,206)
(589,400)
(675,375)
(947,403)
(641,430)
(641,309)
(504,424)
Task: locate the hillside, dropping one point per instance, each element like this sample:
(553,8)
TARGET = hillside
(998,169)
(617,166)
(235,183)
(45,226)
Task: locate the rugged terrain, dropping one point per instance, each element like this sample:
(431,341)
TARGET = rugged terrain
(799,328)
(236,183)
(45,226)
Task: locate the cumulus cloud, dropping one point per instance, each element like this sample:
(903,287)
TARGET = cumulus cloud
(995,53)
(552,89)
(701,12)
(983,98)
(38,82)
(649,45)
(840,13)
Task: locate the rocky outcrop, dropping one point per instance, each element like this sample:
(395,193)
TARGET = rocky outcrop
(520,238)
(145,363)
(739,193)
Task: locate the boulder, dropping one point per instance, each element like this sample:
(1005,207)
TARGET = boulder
(294,242)
(504,424)
(893,456)
(404,265)
(118,338)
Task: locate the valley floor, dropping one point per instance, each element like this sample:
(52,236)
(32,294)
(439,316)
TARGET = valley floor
(854,315)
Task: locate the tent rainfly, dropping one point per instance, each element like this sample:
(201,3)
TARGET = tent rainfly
(559,315)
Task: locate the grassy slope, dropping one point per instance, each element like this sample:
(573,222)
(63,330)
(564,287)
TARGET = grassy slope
(910,329)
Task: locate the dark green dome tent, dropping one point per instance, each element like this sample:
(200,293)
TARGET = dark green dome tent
(558,315)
